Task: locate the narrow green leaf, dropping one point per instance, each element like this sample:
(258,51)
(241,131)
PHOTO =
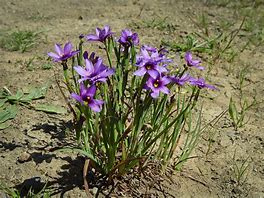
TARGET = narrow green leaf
(4,125)
(50,108)
(16,97)
(233,111)
(8,113)
(2,102)
(2,94)
(35,93)
(80,151)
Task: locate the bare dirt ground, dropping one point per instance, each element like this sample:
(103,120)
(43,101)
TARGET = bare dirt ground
(212,171)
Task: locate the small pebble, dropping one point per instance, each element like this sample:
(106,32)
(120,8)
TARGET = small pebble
(4,195)
(237,190)
(24,157)
(94,190)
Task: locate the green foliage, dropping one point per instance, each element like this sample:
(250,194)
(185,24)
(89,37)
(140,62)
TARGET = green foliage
(2,101)
(255,27)
(38,16)
(158,23)
(220,46)
(29,64)
(48,108)
(218,2)
(193,135)
(132,127)
(242,77)
(203,23)
(21,40)
(7,113)
(238,111)
(238,116)
(212,130)
(192,43)
(33,63)
(240,170)
(46,66)
(253,30)
(24,98)
(14,193)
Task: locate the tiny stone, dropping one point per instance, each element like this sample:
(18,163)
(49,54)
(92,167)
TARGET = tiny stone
(34,141)
(94,191)
(18,171)
(24,157)
(49,160)
(4,195)
(237,191)
(18,174)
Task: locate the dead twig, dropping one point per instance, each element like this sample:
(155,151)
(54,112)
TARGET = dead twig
(65,98)
(194,179)
(85,170)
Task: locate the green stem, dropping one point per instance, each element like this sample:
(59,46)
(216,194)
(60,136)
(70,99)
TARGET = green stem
(108,55)
(66,77)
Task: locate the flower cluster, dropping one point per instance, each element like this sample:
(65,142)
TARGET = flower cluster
(153,62)
(139,88)
(94,71)
(150,62)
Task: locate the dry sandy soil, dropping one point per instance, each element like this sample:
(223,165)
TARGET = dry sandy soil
(211,173)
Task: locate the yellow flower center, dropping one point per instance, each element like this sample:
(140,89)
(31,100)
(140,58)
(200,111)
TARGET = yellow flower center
(148,67)
(156,84)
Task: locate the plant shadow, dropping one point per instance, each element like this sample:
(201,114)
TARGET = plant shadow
(70,174)
(9,146)
(69,178)
(72,177)
(39,157)
(32,185)
(55,130)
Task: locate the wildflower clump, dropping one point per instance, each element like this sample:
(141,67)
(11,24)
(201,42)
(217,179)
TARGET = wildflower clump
(128,105)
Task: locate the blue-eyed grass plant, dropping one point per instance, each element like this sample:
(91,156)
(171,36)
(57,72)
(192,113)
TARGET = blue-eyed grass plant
(130,108)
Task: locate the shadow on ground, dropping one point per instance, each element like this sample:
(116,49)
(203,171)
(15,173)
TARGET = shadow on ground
(69,178)
(55,130)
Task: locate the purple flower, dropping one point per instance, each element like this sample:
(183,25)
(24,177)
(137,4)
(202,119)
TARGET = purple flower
(181,80)
(128,38)
(101,34)
(81,36)
(149,64)
(92,57)
(158,85)
(86,97)
(150,67)
(192,63)
(200,82)
(62,54)
(85,55)
(162,54)
(150,48)
(159,54)
(94,71)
